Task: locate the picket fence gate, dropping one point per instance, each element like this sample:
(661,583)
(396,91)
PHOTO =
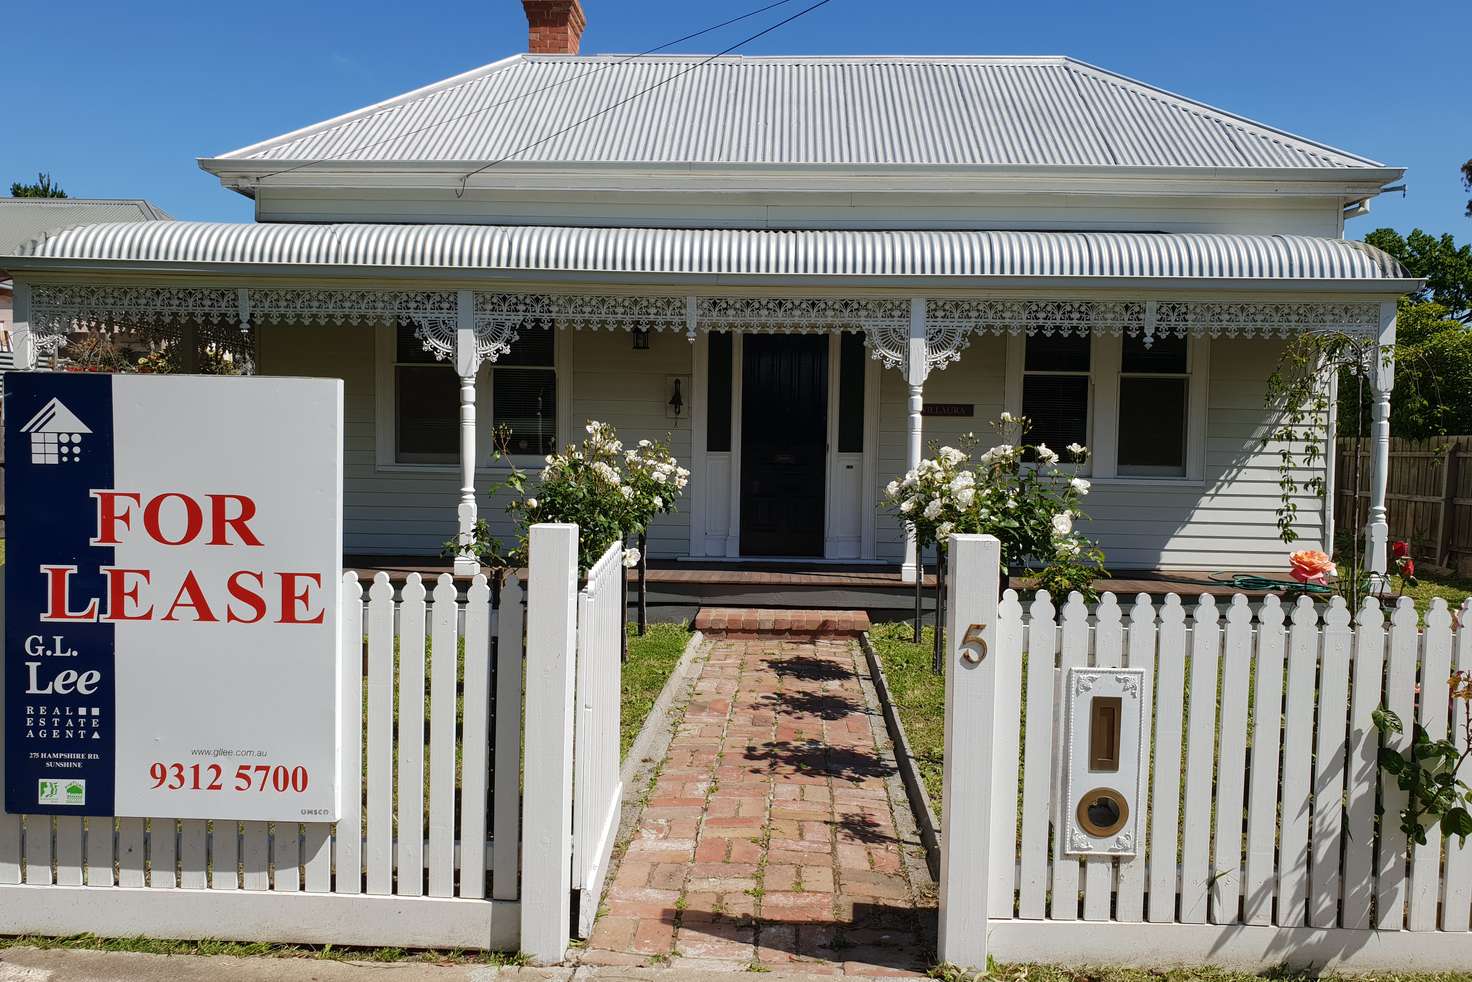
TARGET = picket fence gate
(1263,838)
(407,874)
(597,790)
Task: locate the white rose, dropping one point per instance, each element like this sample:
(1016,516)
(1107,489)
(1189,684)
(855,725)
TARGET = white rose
(1000,452)
(1062,523)
(966,496)
(1007,418)
(1078,451)
(644,443)
(658,503)
(944,529)
(1045,455)
(1068,548)
(631,557)
(892,488)
(1080,485)
(907,506)
(531,502)
(627,492)
(965,479)
(932,510)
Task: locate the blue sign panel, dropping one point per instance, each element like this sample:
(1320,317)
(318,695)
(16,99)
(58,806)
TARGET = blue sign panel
(60,682)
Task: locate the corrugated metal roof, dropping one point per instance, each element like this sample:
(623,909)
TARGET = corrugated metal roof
(841,111)
(24,219)
(733,252)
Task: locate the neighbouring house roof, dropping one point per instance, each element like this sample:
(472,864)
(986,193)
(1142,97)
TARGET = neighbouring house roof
(980,257)
(24,219)
(845,111)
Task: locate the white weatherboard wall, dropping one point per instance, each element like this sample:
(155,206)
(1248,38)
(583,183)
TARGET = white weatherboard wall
(409,510)
(1226,520)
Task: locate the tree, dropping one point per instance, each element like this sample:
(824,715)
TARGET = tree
(43,188)
(1433,351)
(1446,268)
(1467,183)
(1433,374)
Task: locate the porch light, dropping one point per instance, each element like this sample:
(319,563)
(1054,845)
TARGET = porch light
(641,338)
(677,401)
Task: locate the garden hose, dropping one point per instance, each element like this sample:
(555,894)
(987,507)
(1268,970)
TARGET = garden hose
(1247,581)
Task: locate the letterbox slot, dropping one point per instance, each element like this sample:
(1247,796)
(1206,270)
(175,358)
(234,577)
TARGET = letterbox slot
(1105,718)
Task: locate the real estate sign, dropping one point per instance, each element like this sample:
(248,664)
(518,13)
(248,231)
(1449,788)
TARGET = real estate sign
(172,582)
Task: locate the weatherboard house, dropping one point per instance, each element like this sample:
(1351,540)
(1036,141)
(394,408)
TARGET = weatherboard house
(804,269)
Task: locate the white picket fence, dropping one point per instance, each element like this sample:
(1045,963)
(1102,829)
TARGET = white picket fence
(1264,842)
(405,874)
(597,789)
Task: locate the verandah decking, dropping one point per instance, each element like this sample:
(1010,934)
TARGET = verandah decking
(679,588)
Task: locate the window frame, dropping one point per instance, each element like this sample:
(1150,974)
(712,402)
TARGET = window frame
(1146,470)
(385,375)
(1017,374)
(1106,358)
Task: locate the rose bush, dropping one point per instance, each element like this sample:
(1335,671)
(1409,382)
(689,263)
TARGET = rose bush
(1024,494)
(608,492)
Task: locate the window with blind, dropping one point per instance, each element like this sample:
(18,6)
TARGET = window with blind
(1055,390)
(524,392)
(523,399)
(426,404)
(1154,383)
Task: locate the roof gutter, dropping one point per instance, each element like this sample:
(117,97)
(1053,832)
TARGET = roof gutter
(676,283)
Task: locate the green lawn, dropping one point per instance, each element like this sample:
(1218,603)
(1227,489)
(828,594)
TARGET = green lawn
(1452,589)
(919,696)
(651,660)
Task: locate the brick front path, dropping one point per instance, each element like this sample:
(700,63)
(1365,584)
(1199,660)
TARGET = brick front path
(769,835)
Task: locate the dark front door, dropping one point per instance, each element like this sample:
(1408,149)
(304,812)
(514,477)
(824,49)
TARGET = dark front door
(784,443)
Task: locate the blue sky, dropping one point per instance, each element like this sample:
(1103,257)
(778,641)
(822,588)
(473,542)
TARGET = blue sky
(117,100)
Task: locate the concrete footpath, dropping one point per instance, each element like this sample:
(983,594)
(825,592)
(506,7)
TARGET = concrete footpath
(72,965)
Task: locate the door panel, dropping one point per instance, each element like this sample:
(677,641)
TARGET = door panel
(784,444)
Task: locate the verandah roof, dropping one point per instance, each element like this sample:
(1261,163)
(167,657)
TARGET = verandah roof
(972,258)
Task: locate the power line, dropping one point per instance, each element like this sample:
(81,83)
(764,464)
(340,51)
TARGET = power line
(504,102)
(644,91)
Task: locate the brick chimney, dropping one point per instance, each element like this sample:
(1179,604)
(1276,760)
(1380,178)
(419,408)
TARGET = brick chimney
(554,26)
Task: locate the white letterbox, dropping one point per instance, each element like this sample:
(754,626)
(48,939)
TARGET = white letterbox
(1103,779)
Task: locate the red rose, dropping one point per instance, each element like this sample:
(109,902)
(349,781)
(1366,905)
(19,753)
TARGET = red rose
(1400,549)
(1408,568)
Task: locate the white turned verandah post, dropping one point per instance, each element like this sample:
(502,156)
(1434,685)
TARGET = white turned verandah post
(467,364)
(1382,382)
(917,364)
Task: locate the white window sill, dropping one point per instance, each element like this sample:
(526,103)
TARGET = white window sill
(1148,482)
(529,465)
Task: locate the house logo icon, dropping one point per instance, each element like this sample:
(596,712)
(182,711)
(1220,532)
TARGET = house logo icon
(56,435)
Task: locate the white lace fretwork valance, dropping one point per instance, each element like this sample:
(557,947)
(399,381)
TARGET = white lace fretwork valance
(225,316)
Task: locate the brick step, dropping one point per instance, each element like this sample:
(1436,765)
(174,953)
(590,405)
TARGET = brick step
(750,622)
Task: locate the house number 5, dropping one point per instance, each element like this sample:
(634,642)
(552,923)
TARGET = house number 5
(973,645)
